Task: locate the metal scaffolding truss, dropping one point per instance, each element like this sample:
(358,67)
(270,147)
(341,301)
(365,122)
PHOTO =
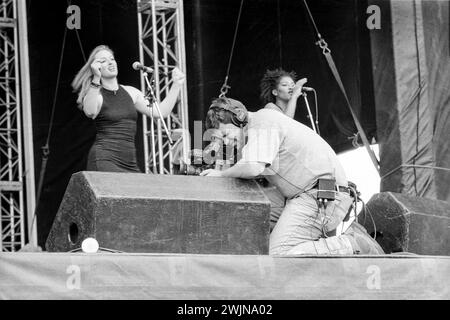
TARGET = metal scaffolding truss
(161,35)
(13,135)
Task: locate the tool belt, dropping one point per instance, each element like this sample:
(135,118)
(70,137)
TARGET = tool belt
(327,187)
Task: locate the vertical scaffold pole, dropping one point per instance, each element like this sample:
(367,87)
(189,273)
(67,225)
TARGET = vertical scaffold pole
(161,41)
(16,143)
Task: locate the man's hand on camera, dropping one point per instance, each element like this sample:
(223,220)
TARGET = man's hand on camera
(211,173)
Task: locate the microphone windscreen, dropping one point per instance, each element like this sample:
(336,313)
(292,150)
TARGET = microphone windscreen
(136,65)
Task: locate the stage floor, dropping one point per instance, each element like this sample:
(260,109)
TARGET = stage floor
(188,276)
(185,276)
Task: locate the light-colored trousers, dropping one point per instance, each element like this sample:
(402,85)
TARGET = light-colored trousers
(301,227)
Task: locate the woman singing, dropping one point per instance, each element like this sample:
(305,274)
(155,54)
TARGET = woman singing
(114,109)
(279,91)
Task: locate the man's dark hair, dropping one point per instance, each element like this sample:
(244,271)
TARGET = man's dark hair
(270,81)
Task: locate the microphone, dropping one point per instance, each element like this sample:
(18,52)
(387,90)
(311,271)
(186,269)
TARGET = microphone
(139,66)
(307,89)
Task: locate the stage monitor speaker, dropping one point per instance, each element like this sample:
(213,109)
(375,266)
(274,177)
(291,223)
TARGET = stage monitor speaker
(134,212)
(404,223)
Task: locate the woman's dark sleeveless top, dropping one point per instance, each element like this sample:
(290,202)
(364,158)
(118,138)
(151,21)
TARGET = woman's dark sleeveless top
(114,148)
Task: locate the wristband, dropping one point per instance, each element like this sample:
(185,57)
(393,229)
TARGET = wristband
(95,85)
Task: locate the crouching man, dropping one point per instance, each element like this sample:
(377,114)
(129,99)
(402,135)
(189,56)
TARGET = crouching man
(296,160)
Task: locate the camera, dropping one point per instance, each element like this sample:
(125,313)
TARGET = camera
(197,164)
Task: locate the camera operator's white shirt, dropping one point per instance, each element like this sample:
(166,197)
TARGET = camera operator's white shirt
(295,155)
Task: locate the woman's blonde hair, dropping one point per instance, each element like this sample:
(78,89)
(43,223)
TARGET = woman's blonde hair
(84,77)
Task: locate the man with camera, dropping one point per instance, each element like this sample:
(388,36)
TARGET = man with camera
(305,170)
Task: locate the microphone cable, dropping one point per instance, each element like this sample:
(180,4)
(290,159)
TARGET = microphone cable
(317,112)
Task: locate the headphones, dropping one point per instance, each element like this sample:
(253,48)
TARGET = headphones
(238,110)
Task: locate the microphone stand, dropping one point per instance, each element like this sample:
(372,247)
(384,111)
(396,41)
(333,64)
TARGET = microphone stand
(309,112)
(154,103)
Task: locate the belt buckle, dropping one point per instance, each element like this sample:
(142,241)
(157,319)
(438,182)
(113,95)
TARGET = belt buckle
(344,189)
